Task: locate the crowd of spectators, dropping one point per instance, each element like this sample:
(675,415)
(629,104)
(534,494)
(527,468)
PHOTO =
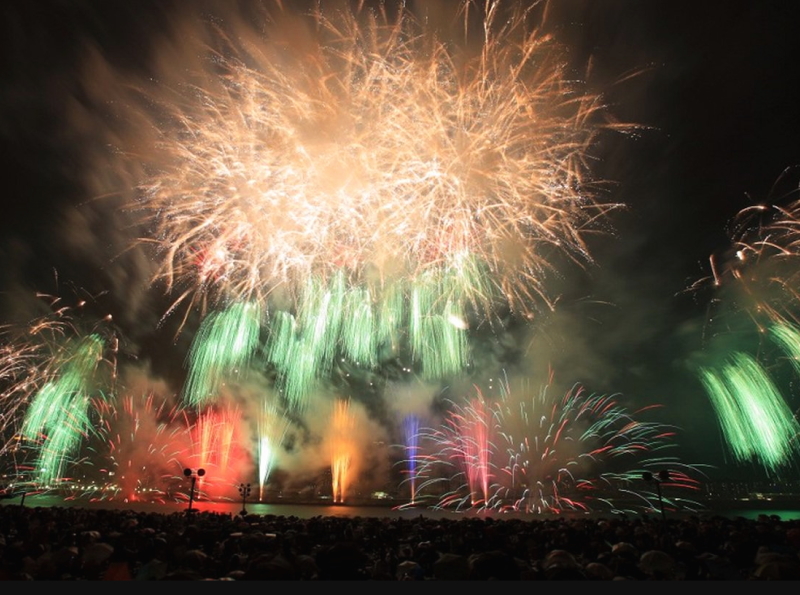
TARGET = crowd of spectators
(82,544)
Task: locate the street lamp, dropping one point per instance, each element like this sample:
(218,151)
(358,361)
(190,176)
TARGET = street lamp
(663,475)
(244,492)
(189,473)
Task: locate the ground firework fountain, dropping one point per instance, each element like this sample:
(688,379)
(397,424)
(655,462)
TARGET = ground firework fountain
(411,425)
(529,450)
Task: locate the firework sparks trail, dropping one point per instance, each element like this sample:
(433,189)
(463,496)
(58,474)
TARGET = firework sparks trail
(52,368)
(570,452)
(760,267)
(787,336)
(580,452)
(378,150)
(272,425)
(58,414)
(758,300)
(20,379)
(222,348)
(756,422)
(761,278)
(337,317)
(139,448)
(218,447)
(465,446)
(342,449)
(365,147)
(411,427)
(758,280)
(474,429)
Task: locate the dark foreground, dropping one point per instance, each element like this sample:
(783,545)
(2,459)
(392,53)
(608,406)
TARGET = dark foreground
(81,544)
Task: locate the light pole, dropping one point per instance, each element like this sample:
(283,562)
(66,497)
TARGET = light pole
(663,475)
(244,492)
(188,473)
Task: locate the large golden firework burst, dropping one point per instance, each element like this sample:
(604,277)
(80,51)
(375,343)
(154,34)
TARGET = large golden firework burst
(371,142)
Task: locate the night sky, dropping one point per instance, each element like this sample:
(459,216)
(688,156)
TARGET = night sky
(714,98)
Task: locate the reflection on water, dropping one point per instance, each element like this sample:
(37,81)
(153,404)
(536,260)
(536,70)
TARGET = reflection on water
(306,511)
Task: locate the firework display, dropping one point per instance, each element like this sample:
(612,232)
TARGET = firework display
(223,346)
(756,421)
(378,152)
(53,369)
(272,425)
(137,450)
(371,186)
(349,213)
(342,449)
(757,297)
(411,427)
(528,450)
